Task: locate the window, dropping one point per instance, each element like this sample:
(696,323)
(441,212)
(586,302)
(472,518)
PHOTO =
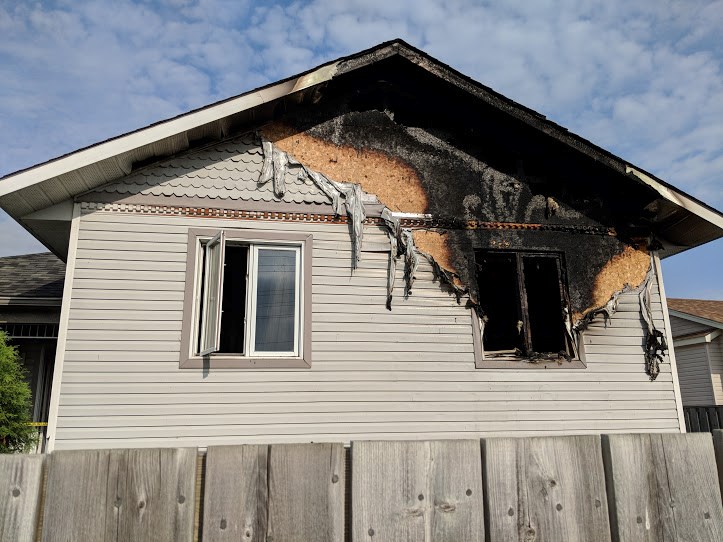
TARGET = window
(247,300)
(524,300)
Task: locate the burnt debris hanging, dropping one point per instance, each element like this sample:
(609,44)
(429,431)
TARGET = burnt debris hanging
(532,289)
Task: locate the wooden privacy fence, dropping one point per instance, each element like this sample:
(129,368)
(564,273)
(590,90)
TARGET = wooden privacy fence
(648,487)
(703,418)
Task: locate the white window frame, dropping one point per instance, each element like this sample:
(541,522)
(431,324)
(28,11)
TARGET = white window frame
(193,326)
(252,288)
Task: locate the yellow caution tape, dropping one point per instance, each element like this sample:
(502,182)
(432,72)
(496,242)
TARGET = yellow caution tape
(38,424)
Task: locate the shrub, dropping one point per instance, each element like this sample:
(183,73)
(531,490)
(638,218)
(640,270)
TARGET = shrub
(16,435)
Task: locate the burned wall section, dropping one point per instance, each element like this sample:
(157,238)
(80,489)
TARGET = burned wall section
(412,170)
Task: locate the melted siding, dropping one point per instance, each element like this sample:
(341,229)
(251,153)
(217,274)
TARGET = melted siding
(408,373)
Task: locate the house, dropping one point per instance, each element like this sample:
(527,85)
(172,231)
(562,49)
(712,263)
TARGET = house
(697,329)
(31,293)
(379,248)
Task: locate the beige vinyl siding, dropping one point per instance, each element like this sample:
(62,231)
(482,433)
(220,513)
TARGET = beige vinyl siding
(715,358)
(681,326)
(375,374)
(694,375)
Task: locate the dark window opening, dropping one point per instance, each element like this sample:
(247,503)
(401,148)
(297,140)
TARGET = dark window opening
(201,294)
(522,297)
(233,308)
(500,301)
(544,303)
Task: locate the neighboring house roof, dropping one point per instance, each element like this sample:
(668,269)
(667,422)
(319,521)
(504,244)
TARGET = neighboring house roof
(228,170)
(708,310)
(681,220)
(31,279)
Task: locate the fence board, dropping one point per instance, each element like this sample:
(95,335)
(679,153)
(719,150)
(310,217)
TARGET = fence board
(125,494)
(281,492)
(718,448)
(306,494)
(545,488)
(20,487)
(663,487)
(427,491)
(236,494)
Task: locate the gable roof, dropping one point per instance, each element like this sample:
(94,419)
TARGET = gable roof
(705,309)
(35,279)
(685,220)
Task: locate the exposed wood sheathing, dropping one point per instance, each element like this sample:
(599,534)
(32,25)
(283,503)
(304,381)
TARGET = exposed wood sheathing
(630,267)
(394,182)
(436,244)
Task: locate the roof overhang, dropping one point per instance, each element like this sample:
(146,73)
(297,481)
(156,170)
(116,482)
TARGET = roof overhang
(696,319)
(686,221)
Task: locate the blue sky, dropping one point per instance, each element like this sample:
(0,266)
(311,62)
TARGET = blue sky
(643,79)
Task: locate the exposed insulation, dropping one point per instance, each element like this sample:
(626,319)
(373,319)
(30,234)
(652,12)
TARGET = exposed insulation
(630,267)
(436,244)
(395,183)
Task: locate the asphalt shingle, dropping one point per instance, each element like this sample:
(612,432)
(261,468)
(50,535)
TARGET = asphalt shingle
(703,308)
(32,275)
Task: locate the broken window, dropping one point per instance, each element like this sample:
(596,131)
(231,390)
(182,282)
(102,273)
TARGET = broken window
(522,296)
(248,298)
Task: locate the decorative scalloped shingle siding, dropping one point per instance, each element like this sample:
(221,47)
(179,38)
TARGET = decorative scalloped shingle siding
(226,170)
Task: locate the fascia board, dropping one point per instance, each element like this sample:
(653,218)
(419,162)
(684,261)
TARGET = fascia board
(710,337)
(681,200)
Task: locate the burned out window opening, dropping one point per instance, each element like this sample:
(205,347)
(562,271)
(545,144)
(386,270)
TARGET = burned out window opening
(523,305)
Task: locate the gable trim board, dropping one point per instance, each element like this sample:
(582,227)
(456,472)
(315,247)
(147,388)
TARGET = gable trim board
(55,390)
(669,341)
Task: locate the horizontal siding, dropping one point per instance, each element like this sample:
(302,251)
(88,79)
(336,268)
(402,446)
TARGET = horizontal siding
(715,356)
(694,375)
(681,326)
(405,373)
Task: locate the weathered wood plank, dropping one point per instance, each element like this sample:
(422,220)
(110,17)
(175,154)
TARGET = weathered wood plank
(20,488)
(417,491)
(718,448)
(547,488)
(75,501)
(306,493)
(280,492)
(236,494)
(663,487)
(120,495)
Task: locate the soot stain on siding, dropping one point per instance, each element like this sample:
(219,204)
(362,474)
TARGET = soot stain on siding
(413,170)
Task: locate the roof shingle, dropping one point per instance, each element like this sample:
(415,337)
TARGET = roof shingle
(32,275)
(702,308)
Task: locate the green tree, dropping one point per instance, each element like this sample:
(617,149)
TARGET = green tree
(16,435)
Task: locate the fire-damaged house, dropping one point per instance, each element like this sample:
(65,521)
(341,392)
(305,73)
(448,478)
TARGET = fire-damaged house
(379,248)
